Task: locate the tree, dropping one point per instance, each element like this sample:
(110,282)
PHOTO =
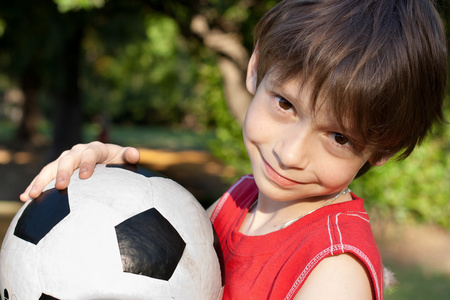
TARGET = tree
(223,27)
(41,49)
(24,55)
(45,58)
(43,55)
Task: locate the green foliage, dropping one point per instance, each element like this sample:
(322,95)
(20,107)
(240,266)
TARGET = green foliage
(2,26)
(68,5)
(416,189)
(146,80)
(144,68)
(227,144)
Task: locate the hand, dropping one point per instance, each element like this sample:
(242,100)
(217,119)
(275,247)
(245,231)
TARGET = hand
(82,156)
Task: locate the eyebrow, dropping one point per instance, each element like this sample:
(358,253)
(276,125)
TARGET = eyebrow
(321,114)
(273,84)
(280,88)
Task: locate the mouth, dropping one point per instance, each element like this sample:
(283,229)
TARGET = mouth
(278,179)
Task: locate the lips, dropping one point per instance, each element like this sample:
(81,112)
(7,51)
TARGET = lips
(278,179)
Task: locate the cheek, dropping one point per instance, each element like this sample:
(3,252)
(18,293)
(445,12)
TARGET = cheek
(339,172)
(253,127)
(259,126)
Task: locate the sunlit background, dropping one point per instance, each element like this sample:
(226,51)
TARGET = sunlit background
(168,77)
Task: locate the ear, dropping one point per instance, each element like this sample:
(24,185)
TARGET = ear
(252,77)
(380,162)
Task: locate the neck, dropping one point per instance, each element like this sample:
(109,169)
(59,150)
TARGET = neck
(267,215)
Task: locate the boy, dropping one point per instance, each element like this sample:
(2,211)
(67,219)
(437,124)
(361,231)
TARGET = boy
(339,86)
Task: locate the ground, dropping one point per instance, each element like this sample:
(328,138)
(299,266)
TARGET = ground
(423,247)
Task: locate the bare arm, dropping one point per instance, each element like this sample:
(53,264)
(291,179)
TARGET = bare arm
(210,209)
(337,277)
(82,156)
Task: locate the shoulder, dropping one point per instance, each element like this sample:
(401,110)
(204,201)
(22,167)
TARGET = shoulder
(341,228)
(344,277)
(349,228)
(341,240)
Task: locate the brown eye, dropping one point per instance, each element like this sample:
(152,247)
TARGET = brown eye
(284,104)
(340,139)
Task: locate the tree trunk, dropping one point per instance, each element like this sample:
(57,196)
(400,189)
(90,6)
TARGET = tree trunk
(236,94)
(27,133)
(233,59)
(68,107)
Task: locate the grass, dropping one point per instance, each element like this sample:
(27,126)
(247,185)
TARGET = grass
(7,130)
(414,283)
(152,137)
(159,138)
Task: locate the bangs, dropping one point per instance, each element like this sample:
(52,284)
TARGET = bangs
(343,106)
(381,76)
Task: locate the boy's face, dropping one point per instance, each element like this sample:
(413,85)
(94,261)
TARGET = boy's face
(296,153)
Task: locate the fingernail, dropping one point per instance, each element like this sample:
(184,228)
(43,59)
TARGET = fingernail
(83,170)
(59,179)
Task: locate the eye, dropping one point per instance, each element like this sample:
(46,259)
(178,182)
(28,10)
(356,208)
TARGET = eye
(340,138)
(283,103)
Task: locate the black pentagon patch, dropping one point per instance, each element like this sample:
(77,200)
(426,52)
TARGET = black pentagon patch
(47,297)
(5,294)
(136,169)
(42,214)
(149,245)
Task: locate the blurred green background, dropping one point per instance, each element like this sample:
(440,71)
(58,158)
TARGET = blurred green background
(169,75)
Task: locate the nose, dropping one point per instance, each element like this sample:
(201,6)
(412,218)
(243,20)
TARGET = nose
(293,150)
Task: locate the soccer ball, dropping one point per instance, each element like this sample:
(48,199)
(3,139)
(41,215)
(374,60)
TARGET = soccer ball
(116,235)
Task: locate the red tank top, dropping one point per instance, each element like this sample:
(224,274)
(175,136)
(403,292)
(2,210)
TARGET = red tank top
(275,265)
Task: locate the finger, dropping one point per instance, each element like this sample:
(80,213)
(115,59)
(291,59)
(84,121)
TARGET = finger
(89,157)
(131,155)
(62,179)
(96,152)
(25,195)
(65,165)
(40,181)
(44,177)
(115,154)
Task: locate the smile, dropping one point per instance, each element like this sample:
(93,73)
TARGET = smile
(278,179)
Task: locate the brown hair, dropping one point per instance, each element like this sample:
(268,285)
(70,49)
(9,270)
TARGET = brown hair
(379,63)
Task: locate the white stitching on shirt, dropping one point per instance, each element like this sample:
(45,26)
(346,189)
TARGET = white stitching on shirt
(340,234)
(312,264)
(329,234)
